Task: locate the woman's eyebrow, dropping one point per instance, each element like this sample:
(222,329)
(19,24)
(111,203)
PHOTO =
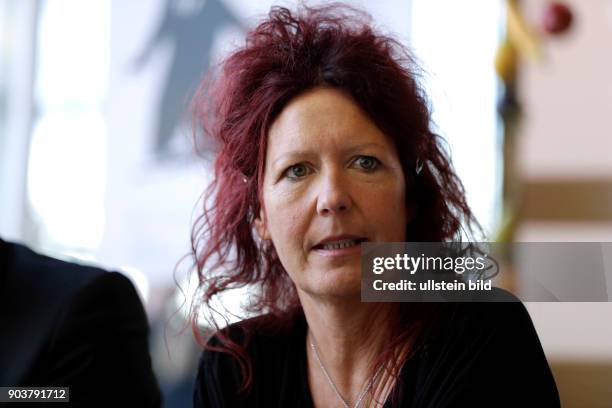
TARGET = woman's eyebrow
(291,155)
(364,146)
(301,154)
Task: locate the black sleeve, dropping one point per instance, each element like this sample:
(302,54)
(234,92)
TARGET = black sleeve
(218,380)
(100,347)
(206,390)
(492,357)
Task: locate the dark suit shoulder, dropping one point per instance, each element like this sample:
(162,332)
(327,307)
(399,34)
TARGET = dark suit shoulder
(106,305)
(67,324)
(100,341)
(34,273)
(34,291)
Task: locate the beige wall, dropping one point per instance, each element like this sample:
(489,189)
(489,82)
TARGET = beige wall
(568,97)
(567,135)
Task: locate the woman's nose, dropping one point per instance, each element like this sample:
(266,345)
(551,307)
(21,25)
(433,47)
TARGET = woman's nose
(333,197)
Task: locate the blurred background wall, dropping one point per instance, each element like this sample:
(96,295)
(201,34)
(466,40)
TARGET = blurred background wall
(97,161)
(565,159)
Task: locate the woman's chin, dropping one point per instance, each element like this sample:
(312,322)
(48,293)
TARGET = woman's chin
(337,283)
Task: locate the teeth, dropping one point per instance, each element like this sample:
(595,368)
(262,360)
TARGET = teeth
(340,244)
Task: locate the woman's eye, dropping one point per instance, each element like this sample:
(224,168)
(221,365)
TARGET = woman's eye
(296,171)
(368,163)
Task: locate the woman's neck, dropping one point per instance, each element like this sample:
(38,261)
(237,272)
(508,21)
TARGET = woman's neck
(348,336)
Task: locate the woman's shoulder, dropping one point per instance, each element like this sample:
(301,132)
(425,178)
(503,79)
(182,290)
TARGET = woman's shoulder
(270,344)
(265,330)
(498,315)
(496,309)
(482,347)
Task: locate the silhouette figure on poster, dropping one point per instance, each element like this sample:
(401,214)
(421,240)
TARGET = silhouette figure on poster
(191,32)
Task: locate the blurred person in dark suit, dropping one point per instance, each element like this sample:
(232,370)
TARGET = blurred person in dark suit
(69,325)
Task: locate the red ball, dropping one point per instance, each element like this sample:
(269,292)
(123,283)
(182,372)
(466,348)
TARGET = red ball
(557,18)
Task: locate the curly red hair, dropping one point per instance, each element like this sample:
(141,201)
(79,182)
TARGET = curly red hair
(284,56)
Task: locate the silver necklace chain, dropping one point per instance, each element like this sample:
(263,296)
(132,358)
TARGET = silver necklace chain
(331,382)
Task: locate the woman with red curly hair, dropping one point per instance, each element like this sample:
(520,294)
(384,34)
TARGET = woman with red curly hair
(324,143)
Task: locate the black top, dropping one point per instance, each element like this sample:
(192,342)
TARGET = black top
(69,325)
(480,355)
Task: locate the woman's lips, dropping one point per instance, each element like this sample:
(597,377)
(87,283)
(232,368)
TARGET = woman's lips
(343,247)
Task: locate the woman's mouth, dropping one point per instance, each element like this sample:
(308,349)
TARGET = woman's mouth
(340,247)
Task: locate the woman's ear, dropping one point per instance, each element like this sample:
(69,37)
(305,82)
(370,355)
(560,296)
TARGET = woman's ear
(260,226)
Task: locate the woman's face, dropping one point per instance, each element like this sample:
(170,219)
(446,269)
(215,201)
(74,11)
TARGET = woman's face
(332,180)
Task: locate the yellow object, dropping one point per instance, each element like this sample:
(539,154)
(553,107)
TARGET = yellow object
(506,60)
(520,34)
